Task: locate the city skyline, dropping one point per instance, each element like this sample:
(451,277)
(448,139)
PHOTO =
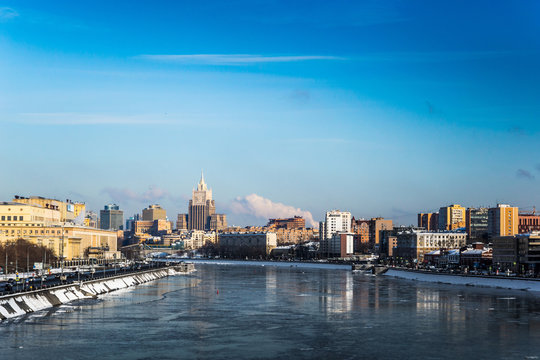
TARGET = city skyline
(375,108)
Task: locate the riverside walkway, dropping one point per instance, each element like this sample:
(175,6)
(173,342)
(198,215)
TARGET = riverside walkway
(58,277)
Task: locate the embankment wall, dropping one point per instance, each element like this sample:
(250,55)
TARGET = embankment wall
(23,303)
(505,283)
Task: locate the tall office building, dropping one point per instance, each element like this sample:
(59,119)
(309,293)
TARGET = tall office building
(201,207)
(154,212)
(503,220)
(111,218)
(451,217)
(429,221)
(375,227)
(218,222)
(182,222)
(335,222)
(202,211)
(476,223)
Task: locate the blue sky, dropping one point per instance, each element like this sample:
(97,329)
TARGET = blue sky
(380,108)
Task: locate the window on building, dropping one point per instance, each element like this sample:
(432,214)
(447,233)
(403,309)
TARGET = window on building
(9,218)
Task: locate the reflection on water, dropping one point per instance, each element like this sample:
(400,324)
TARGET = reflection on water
(225,311)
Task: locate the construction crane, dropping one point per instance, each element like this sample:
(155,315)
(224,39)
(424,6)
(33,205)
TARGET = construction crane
(525,212)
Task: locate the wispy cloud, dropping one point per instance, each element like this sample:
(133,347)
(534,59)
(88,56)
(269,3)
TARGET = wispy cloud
(433,110)
(252,59)
(7,13)
(300,96)
(261,207)
(524,174)
(399,213)
(518,130)
(319,140)
(233,59)
(91,119)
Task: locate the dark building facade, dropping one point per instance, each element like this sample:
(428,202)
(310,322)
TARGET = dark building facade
(111,218)
(182,222)
(476,224)
(360,229)
(529,252)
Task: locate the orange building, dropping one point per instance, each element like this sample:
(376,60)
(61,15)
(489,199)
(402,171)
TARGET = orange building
(528,223)
(360,230)
(296,222)
(451,217)
(429,221)
(375,227)
(503,220)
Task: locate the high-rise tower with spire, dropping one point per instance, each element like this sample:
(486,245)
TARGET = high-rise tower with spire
(202,211)
(201,207)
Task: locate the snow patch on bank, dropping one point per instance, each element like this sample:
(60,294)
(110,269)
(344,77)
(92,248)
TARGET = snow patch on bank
(513,284)
(20,304)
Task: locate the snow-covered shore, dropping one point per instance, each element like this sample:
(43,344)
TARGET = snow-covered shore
(505,283)
(19,304)
(281,264)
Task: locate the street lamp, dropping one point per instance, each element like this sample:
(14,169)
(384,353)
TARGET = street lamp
(6,269)
(62,257)
(28,258)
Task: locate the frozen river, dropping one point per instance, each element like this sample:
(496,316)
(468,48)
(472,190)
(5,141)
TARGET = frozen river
(227,311)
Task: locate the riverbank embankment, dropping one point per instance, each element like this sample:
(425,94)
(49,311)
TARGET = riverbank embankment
(467,280)
(23,303)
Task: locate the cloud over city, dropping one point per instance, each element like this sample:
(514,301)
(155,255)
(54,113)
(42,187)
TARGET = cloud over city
(233,59)
(7,13)
(524,174)
(69,118)
(261,207)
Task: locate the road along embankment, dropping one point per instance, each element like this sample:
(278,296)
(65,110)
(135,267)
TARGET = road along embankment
(23,303)
(467,280)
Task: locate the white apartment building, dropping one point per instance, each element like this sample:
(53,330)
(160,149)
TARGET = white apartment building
(413,244)
(334,222)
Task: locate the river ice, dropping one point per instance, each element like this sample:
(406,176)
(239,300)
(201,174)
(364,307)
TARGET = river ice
(270,312)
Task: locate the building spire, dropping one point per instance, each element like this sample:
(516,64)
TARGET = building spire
(202,185)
